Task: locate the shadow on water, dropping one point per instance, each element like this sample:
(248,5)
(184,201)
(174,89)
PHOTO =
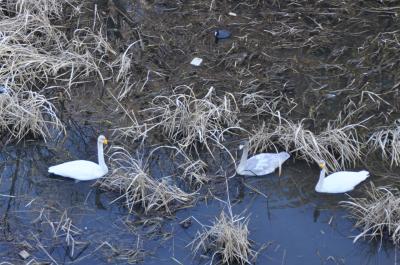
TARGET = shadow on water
(292,225)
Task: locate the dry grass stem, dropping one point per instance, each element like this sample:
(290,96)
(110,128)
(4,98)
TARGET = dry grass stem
(387,140)
(63,228)
(266,101)
(130,177)
(378,214)
(227,238)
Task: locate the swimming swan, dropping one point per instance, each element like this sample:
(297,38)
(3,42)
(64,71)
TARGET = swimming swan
(261,164)
(339,182)
(83,169)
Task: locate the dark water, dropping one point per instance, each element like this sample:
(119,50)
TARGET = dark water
(297,225)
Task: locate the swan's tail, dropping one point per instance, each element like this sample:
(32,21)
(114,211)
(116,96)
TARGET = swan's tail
(364,173)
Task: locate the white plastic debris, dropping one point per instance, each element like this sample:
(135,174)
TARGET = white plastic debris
(24,254)
(232,14)
(330,95)
(196,61)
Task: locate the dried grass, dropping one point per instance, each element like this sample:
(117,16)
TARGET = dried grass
(37,55)
(339,147)
(227,238)
(387,141)
(189,120)
(27,112)
(192,171)
(62,228)
(266,101)
(130,177)
(378,214)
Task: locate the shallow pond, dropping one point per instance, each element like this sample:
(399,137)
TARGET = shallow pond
(294,225)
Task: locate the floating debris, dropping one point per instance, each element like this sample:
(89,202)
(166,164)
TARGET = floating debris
(24,254)
(232,14)
(330,95)
(196,61)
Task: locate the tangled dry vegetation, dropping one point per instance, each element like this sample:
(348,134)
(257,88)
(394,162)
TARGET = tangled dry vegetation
(377,215)
(189,120)
(227,239)
(61,228)
(387,141)
(27,112)
(38,56)
(334,63)
(130,177)
(339,147)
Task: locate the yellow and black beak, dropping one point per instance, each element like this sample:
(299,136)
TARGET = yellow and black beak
(105,141)
(322,165)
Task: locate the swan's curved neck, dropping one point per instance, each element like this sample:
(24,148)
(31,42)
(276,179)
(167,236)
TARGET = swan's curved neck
(100,155)
(243,160)
(321,177)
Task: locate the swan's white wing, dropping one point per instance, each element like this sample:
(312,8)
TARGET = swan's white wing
(263,164)
(79,169)
(343,181)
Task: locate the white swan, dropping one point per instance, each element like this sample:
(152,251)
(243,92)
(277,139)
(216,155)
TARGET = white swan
(83,169)
(339,182)
(261,164)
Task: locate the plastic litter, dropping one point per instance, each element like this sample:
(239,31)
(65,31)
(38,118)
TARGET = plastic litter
(24,254)
(221,34)
(330,95)
(196,61)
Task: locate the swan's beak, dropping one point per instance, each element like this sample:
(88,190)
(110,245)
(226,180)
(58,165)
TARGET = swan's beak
(321,165)
(105,141)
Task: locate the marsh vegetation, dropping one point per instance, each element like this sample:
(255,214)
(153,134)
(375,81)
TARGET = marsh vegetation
(318,80)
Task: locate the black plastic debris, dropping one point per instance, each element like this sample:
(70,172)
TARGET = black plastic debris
(222,34)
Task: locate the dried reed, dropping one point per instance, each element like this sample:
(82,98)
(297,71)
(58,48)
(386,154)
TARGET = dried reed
(339,147)
(227,238)
(188,120)
(130,177)
(377,215)
(387,140)
(27,112)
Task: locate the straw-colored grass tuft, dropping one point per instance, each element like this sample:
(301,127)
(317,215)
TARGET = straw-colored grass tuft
(387,140)
(377,215)
(37,54)
(227,239)
(130,177)
(339,147)
(188,120)
(27,112)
